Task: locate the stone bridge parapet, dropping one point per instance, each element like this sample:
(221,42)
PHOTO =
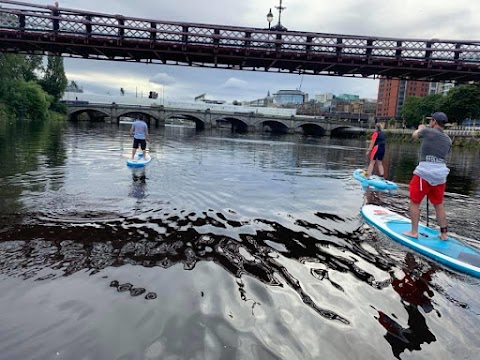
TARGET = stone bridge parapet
(209,119)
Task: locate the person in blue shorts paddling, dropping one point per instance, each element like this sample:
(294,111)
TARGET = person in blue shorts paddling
(430,176)
(139,130)
(376,151)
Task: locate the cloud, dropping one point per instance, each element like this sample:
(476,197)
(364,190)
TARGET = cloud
(162,79)
(234,83)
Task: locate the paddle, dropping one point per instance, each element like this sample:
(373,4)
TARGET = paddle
(170,146)
(428,217)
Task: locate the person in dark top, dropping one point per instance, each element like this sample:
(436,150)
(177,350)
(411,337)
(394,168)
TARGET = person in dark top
(376,151)
(430,176)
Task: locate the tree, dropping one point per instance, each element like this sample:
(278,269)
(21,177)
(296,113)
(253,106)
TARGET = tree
(54,81)
(28,100)
(462,102)
(411,111)
(431,104)
(32,64)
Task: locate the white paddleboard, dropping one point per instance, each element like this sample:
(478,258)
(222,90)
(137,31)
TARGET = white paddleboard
(452,252)
(139,160)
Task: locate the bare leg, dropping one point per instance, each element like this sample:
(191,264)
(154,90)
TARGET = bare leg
(380,168)
(144,153)
(134,150)
(441,219)
(414,217)
(370,168)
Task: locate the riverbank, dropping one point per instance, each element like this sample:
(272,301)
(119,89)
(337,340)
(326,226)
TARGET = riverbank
(460,138)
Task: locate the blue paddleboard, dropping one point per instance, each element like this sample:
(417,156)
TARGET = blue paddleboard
(139,160)
(374,181)
(452,252)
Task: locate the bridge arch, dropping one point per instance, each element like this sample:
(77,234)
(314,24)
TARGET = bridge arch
(146,115)
(347,131)
(92,114)
(272,126)
(308,128)
(199,121)
(230,122)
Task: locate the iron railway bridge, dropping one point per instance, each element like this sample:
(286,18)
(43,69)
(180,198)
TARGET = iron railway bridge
(37,29)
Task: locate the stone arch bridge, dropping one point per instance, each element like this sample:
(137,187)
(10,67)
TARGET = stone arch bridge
(210,119)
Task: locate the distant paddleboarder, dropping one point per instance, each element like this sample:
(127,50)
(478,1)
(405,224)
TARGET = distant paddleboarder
(376,150)
(139,130)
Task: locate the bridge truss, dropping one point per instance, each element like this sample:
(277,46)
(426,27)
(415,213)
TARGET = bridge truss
(37,29)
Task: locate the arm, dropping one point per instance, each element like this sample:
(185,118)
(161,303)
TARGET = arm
(131,129)
(416,133)
(146,134)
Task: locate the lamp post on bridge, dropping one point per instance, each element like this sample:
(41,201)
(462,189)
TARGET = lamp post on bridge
(269,18)
(279,26)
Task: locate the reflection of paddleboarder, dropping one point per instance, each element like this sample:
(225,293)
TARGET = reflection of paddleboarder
(414,291)
(410,337)
(139,184)
(373,197)
(414,288)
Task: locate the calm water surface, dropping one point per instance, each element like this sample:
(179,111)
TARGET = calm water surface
(224,247)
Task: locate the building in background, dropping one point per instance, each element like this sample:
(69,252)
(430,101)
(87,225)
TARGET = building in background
(443,87)
(392,94)
(325,101)
(289,98)
(348,97)
(262,102)
(202,98)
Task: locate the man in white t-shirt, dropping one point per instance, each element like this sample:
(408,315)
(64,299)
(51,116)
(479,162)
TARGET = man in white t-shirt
(139,130)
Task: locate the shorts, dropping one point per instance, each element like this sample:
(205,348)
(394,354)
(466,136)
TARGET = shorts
(420,187)
(141,142)
(378,153)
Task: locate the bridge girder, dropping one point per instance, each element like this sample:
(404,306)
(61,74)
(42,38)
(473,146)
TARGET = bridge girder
(40,29)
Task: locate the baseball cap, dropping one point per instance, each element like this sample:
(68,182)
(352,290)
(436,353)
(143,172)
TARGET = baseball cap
(439,117)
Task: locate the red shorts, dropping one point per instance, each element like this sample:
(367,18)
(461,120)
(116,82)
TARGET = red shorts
(421,187)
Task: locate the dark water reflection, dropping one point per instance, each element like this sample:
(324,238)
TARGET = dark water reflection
(93,255)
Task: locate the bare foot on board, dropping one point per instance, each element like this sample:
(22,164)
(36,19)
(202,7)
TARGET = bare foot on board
(410,234)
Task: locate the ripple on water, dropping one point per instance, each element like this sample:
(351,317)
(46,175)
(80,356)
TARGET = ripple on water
(221,248)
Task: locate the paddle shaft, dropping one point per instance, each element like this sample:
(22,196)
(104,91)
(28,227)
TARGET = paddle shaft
(428,217)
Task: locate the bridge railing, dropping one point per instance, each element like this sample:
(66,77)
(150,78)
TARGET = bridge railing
(71,22)
(27,28)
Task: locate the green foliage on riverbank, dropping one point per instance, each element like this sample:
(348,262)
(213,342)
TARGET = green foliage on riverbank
(461,102)
(471,141)
(28,90)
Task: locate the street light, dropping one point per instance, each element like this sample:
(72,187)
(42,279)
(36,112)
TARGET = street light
(269,18)
(279,26)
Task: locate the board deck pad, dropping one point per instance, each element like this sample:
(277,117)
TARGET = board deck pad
(139,160)
(375,182)
(452,252)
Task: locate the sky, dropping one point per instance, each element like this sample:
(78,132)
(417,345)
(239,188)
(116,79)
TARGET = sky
(412,19)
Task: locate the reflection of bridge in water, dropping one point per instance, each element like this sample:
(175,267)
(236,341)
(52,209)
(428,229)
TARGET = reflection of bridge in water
(236,118)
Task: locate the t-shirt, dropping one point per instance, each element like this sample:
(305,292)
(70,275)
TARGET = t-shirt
(435,145)
(139,130)
(433,156)
(379,138)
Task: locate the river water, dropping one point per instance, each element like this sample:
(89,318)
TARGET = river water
(226,246)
